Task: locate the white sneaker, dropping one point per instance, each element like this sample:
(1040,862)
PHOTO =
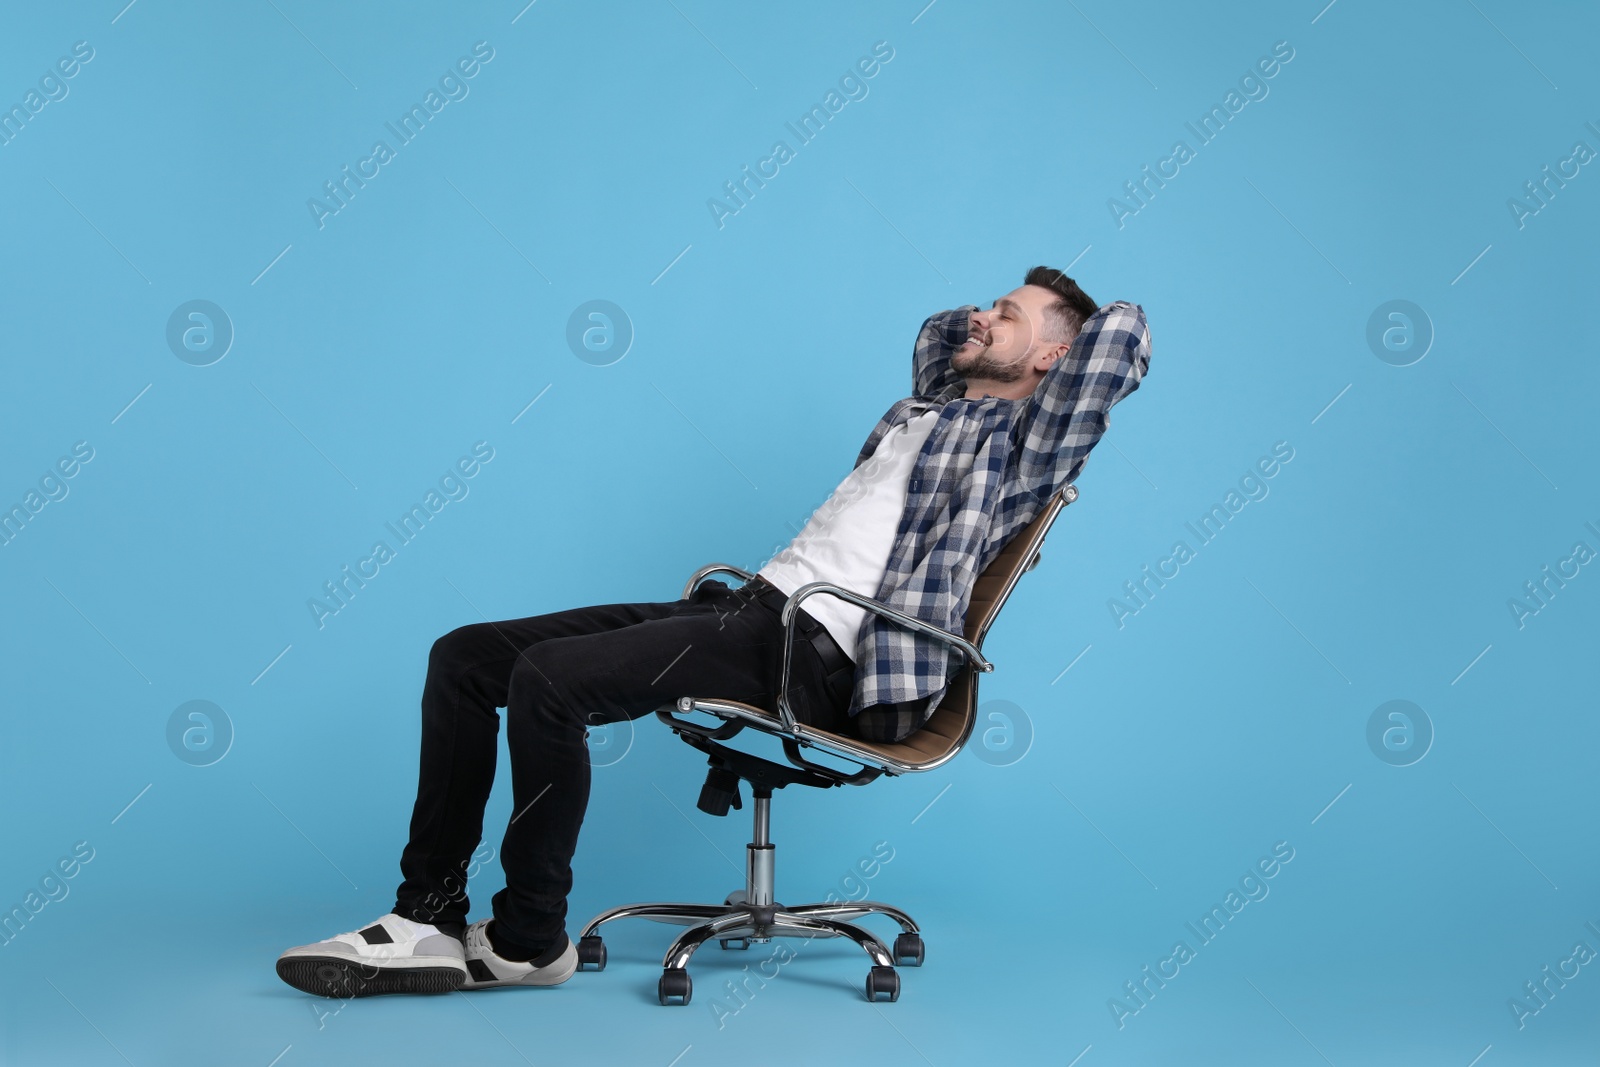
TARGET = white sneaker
(485,968)
(392,954)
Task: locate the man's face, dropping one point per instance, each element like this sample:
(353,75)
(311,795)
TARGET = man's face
(1003,342)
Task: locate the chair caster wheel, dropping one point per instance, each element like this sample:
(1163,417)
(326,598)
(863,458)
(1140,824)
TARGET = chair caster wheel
(674,983)
(592,953)
(734,942)
(884,983)
(908,950)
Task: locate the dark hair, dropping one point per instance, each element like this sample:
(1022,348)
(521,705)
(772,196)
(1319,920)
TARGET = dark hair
(1066,316)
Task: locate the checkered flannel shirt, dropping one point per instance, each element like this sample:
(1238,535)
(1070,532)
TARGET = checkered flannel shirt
(987,470)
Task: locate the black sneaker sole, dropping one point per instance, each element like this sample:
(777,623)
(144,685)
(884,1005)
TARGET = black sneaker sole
(332,976)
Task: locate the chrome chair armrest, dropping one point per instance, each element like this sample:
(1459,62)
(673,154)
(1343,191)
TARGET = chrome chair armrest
(713,568)
(785,712)
(728,727)
(725,729)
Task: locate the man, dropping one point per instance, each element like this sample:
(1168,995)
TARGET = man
(1008,403)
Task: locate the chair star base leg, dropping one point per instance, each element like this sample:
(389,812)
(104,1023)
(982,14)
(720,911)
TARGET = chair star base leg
(752,915)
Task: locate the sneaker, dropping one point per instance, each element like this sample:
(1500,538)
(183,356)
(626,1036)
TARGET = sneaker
(485,968)
(392,954)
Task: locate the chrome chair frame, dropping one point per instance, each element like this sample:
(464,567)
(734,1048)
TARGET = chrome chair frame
(753,915)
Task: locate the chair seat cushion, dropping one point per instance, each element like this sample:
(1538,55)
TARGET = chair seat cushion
(944,731)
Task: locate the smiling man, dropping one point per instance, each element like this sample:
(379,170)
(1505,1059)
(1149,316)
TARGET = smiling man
(1011,345)
(1006,405)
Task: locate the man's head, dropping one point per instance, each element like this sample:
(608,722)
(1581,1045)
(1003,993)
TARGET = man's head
(1010,346)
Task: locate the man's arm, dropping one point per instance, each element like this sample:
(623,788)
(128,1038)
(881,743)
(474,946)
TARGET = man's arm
(940,336)
(1060,422)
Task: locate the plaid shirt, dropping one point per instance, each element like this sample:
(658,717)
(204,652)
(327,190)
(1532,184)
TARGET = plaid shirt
(986,471)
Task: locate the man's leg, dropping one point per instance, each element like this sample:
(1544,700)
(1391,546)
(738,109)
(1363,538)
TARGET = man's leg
(723,643)
(469,674)
(473,670)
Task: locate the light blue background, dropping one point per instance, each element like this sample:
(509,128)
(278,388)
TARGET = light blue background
(425,316)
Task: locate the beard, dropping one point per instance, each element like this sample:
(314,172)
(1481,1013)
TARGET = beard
(978,365)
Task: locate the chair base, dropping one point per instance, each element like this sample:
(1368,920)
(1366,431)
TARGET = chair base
(751,915)
(737,924)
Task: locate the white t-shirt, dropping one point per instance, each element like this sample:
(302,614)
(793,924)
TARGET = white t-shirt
(848,539)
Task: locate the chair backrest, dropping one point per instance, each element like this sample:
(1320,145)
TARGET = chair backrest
(951,723)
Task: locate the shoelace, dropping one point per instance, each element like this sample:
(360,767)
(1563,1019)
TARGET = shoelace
(478,938)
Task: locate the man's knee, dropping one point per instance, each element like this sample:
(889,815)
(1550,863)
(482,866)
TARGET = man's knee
(458,646)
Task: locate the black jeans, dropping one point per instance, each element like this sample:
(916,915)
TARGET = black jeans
(555,675)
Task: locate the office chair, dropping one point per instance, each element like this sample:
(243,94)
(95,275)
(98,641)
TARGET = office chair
(754,915)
